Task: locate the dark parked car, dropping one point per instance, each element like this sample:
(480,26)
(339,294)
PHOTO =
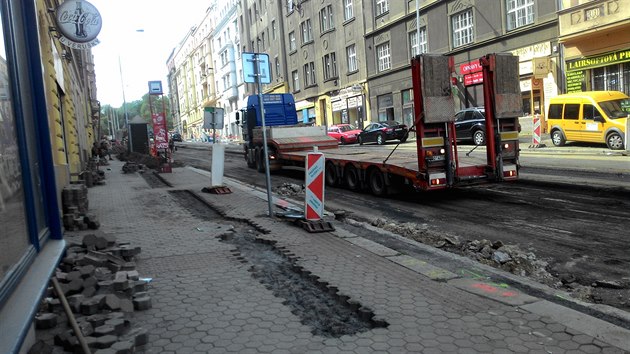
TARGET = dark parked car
(176,137)
(381,132)
(470,125)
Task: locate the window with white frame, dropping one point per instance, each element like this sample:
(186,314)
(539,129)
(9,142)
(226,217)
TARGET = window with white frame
(418,47)
(382,6)
(326,19)
(309,74)
(296,81)
(384,57)
(351,54)
(277,61)
(348,10)
(462,28)
(292,44)
(224,58)
(290,6)
(519,13)
(330,66)
(307,31)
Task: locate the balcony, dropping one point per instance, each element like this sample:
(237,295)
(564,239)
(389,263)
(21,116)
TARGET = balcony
(590,16)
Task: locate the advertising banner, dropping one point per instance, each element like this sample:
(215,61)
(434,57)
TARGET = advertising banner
(160,137)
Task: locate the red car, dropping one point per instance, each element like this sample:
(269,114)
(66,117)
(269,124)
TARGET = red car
(344,133)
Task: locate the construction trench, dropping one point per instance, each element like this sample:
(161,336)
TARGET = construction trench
(318,304)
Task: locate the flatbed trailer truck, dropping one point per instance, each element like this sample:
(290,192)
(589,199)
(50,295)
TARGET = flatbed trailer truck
(434,165)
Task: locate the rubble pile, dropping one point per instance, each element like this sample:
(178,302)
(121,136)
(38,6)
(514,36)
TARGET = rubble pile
(103,288)
(509,258)
(75,206)
(417,232)
(132,167)
(290,189)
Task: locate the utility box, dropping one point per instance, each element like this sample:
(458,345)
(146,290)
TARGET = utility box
(138,130)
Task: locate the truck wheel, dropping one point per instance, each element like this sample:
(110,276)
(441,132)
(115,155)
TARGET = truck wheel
(614,141)
(479,137)
(380,140)
(557,138)
(331,174)
(352,178)
(260,162)
(377,183)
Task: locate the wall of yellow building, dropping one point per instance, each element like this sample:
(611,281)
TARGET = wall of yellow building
(597,43)
(323,110)
(64,103)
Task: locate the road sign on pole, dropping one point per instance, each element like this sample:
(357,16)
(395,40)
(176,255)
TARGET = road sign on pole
(314,203)
(252,72)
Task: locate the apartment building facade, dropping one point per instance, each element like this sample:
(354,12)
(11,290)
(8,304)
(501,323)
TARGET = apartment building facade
(205,70)
(190,81)
(596,45)
(315,49)
(466,30)
(227,65)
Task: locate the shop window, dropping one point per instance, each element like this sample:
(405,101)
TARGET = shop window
(407,104)
(385,107)
(14,238)
(611,78)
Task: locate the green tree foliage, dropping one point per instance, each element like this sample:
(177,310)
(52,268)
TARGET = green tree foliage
(134,108)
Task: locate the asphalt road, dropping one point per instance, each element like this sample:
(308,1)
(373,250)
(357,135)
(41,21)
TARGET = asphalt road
(570,208)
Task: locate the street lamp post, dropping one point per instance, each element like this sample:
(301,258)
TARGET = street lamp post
(129,142)
(125,107)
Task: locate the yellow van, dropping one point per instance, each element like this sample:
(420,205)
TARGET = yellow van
(591,116)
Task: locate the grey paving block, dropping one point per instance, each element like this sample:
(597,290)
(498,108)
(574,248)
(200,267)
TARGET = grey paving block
(372,246)
(424,268)
(593,327)
(509,296)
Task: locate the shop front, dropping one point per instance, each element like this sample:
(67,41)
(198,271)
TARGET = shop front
(305,111)
(348,110)
(608,72)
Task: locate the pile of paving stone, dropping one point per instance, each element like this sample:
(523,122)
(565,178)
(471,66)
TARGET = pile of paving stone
(132,167)
(102,287)
(75,208)
(92,174)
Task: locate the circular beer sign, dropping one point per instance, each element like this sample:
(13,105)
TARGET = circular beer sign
(78,20)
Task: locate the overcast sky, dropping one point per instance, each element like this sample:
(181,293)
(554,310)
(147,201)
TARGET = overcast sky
(143,55)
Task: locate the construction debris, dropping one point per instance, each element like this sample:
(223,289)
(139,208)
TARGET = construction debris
(133,167)
(103,288)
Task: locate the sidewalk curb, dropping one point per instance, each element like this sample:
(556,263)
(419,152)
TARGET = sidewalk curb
(613,316)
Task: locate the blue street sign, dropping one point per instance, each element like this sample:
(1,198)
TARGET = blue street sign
(249,70)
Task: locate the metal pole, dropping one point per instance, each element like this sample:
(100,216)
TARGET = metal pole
(264,131)
(129,145)
(418,26)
